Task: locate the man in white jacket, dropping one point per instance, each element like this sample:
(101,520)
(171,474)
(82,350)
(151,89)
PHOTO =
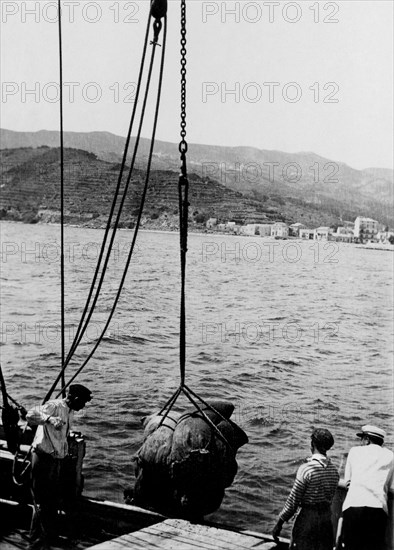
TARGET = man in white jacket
(369,473)
(50,448)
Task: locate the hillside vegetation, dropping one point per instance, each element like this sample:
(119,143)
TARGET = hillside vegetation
(31,192)
(240,184)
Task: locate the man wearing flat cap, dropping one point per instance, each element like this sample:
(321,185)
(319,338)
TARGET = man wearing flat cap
(49,449)
(311,496)
(369,473)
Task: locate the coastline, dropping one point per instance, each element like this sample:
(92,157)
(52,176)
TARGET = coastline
(151,229)
(377,246)
(202,231)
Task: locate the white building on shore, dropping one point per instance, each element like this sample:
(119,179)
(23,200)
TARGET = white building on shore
(365,229)
(384,236)
(212,222)
(307,234)
(322,234)
(280,229)
(343,235)
(295,228)
(264,229)
(248,229)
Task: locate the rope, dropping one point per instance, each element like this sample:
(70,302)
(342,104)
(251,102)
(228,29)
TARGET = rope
(16,477)
(62,289)
(183,188)
(12,444)
(10,418)
(81,331)
(82,327)
(21,408)
(37,511)
(189,394)
(3,388)
(143,197)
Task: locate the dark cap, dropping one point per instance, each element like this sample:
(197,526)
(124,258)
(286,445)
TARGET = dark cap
(322,439)
(78,390)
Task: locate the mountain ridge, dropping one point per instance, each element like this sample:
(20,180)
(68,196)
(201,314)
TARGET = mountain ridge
(19,136)
(290,178)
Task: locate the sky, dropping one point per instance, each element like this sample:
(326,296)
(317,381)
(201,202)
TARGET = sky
(288,76)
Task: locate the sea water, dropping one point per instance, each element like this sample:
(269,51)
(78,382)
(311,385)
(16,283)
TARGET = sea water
(295,334)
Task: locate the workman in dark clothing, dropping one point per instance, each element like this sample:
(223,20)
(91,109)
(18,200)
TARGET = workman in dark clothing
(311,496)
(49,449)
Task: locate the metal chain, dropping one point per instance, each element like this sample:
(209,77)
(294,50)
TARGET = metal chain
(183,144)
(183,187)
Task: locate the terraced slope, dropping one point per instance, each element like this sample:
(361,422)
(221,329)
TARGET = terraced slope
(30,191)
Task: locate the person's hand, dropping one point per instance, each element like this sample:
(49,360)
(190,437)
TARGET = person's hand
(276,530)
(56,422)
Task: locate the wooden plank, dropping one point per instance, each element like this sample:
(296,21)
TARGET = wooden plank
(207,536)
(176,534)
(131,540)
(266,538)
(13,542)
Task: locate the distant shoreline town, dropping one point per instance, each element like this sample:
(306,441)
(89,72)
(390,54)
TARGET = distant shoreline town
(362,231)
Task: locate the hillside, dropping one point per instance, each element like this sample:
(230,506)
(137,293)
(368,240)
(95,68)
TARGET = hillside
(240,183)
(296,184)
(30,192)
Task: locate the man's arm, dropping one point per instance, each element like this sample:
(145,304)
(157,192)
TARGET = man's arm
(38,416)
(292,503)
(389,485)
(294,499)
(348,470)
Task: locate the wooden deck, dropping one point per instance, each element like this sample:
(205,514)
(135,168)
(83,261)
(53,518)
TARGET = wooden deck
(177,534)
(166,534)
